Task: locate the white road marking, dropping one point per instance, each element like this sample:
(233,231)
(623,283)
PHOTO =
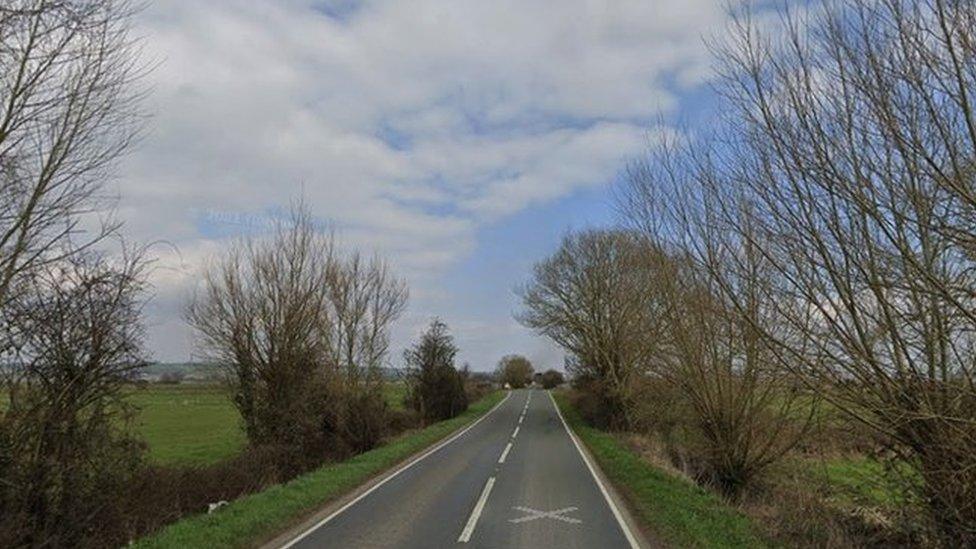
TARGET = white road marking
(508,449)
(476,512)
(631,539)
(515,433)
(521,417)
(376,486)
(535,514)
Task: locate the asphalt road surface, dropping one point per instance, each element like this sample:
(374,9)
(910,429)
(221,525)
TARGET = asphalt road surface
(513,480)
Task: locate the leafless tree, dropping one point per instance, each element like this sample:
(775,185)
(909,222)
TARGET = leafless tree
(854,146)
(65,453)
(364,299)
(69,99)
(589,298)
(302,331)
(721,295)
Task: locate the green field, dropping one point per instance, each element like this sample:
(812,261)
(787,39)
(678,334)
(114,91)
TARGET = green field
(187,424)
(197,424)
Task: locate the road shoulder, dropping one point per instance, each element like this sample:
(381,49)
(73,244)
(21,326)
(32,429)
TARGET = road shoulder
(636,532)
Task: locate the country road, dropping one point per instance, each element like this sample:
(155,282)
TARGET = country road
(513,480)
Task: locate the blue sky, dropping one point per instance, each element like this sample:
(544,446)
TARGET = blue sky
(460,139)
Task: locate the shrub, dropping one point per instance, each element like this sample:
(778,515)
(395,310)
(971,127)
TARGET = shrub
(552,379)
(515,371)
(435,387)
(66,458)
(302,331)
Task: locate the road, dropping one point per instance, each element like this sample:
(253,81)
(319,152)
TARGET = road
(516,479)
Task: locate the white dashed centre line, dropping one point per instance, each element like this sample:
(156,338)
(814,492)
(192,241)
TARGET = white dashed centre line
(476,513)
(515,433)
(508,448)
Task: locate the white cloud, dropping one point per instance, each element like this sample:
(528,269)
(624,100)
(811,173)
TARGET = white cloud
(410,125)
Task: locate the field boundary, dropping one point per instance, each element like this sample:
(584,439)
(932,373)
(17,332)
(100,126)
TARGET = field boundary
(264,517)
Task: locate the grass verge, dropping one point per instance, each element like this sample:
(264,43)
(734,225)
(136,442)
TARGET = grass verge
(674,510)
(252,519)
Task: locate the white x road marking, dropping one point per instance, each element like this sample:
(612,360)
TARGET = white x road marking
(534,514)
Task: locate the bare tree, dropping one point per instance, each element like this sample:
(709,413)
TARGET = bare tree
(68,109)
(364,299)
(589,298)
(264,316)
(302,332)
(66,454)
(722,296)
(855,146)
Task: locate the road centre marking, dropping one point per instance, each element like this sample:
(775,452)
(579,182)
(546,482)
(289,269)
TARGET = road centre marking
(508,448)
(476,512)
(515,433)
(535,514)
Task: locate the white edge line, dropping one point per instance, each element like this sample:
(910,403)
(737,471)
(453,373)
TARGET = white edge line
(476,512)
(376,486)
(603,489)
(508,448)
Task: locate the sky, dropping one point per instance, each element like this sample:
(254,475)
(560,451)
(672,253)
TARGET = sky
(458,139)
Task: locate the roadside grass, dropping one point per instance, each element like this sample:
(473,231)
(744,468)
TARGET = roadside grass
(673,509)
(253,519)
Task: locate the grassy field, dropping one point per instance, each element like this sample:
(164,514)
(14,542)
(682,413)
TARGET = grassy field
(197,424)
(856,481)
(187,424)
(258,517)
(673,509)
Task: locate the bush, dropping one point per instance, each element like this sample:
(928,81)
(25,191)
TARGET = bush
(301,331)
(435,387)
(515,371)
(552,379)
(65,458)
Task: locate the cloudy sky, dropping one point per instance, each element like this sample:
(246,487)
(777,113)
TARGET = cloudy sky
(460,139)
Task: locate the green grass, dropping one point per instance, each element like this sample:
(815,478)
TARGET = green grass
(859,481)
(252,519)
(187,424)
(395,392)
(674,510)
(197,424)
